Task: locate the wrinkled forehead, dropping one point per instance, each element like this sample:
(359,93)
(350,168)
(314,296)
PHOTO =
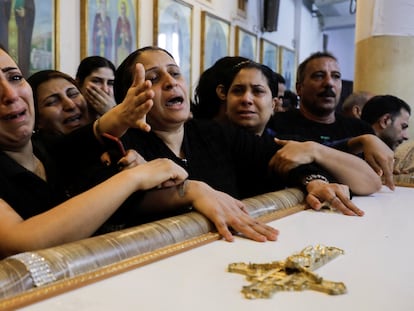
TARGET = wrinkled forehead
(323,64)
(52,86)
(154,58)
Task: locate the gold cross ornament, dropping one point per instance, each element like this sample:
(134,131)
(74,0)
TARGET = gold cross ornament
(293,274)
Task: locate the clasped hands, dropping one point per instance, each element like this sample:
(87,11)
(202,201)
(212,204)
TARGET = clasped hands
(320,193)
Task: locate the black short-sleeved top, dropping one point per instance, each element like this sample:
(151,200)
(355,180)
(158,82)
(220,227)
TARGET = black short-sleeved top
(28,194)
(292,124)
(227,158)
(24,191)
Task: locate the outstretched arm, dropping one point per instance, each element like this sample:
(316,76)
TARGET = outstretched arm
(80,216)
(223,210)
(377,154)
(345,168)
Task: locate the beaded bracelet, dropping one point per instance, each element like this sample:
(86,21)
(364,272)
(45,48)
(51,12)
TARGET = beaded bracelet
(306,180)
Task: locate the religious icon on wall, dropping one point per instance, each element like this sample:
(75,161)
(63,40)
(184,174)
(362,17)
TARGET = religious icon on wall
(109,28)
(269,54)
(245,43)
(215,38)
(27,32)
(288,67)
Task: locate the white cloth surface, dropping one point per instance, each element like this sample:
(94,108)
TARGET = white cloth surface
(377,267)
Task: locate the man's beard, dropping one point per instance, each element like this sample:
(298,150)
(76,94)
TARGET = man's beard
(390,142)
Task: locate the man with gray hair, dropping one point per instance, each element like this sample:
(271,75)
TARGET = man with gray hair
(353,104)
(319,85)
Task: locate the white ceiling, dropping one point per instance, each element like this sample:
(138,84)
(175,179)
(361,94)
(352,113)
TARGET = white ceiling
(335,14)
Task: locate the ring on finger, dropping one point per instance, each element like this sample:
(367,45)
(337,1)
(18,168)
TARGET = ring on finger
(328,204)
(332,199)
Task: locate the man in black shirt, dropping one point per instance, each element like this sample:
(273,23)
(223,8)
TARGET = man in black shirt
(389,117)
(319,87)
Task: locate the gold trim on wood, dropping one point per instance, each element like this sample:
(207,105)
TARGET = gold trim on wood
(404,180)
(184,232)
(60,287)
(83,28)
(57,35)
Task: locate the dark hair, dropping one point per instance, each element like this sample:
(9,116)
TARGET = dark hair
(279,78)
(290,100)
(272,81)
(90,64)
(221,73)
(300,74)
(206,102)
(124,75)
(36,79)
(379,105)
